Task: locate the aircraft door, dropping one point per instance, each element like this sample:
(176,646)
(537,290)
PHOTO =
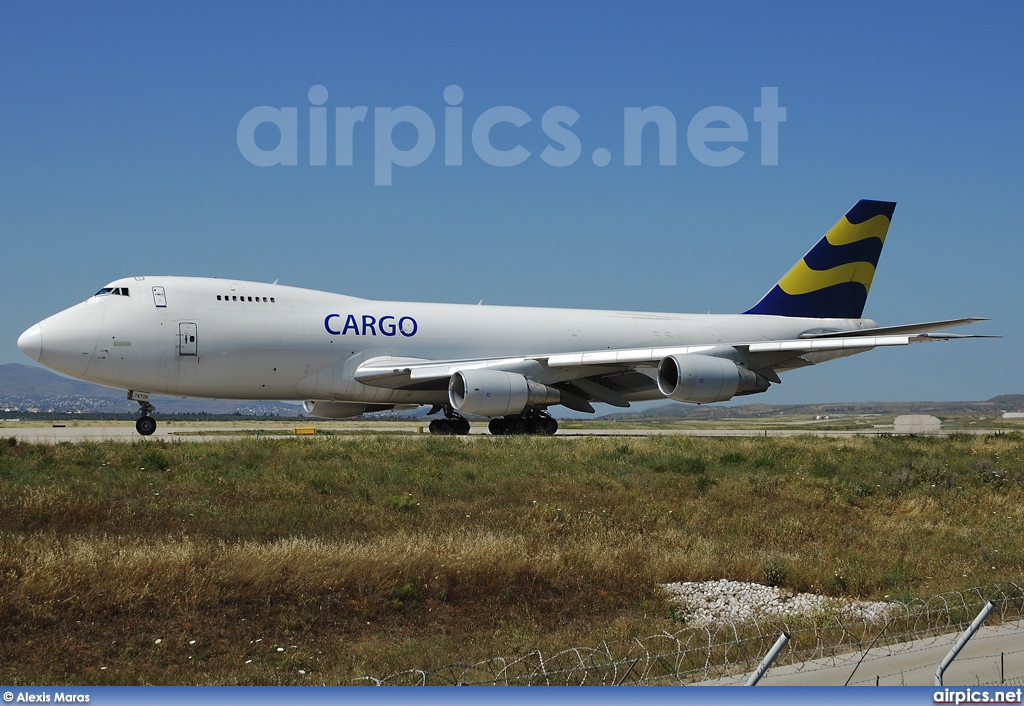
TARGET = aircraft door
(187,339)
(159,297)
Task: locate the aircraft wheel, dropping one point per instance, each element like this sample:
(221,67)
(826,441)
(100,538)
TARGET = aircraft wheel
(434,423)
(461,426)
(549,426)
(516,425)
(496,426)
(145,425)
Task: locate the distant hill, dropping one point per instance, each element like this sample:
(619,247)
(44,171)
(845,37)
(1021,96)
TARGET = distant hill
(29,388)
(677,410)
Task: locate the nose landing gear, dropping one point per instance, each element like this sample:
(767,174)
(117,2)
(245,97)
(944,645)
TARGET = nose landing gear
(145,424)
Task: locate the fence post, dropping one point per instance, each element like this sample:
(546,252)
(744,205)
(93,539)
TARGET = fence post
(768,659)
(967,635)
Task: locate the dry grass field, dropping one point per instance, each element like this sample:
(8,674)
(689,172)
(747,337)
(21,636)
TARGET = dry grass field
(321,560)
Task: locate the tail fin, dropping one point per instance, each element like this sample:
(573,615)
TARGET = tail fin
(833,279)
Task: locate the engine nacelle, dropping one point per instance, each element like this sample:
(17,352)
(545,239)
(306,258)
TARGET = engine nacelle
(341,410)
(495,393)
(704,378)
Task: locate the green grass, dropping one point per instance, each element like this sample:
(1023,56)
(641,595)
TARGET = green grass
(369,555)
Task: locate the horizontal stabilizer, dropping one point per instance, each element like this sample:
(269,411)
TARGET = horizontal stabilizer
(901,329)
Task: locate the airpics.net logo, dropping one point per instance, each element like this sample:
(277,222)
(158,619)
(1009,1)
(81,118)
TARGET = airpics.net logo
(715,136)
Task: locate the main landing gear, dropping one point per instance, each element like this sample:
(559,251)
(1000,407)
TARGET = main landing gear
(536,422)
(452,424)
(529,422)
(145,424)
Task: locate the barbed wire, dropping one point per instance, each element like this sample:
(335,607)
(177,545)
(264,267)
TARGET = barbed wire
(731,648)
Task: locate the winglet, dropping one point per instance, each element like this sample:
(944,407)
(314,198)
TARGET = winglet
(833,279)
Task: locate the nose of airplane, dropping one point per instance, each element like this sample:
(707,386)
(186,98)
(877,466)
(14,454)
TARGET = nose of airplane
(31,343)
(70,339)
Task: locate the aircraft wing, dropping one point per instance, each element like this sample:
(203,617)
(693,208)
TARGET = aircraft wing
(612,376)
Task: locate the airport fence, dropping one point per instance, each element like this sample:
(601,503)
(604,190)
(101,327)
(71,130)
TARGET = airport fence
(729,649)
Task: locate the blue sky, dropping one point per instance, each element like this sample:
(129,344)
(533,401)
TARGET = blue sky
(121,157)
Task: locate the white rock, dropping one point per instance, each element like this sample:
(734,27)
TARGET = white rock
(721,601)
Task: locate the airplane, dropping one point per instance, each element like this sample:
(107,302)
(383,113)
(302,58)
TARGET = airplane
(344,356)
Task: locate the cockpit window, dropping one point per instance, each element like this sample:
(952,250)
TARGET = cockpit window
(105,290)
(121,291)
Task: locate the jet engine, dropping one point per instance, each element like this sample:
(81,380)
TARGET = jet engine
(704,378)
(495,393)
(341,410)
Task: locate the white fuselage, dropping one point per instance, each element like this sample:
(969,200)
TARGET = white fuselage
(173,336)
